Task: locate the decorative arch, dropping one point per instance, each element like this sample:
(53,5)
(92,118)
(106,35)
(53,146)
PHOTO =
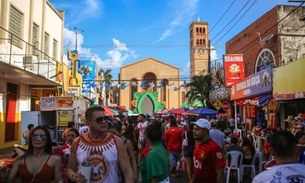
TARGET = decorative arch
(150,77)
(264,60)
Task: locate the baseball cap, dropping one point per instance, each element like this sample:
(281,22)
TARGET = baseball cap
(203,123)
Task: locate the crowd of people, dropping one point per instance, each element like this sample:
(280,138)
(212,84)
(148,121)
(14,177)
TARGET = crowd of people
(157,147)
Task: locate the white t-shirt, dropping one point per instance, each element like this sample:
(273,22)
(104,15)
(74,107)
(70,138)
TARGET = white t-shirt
(285,173)
(142,127)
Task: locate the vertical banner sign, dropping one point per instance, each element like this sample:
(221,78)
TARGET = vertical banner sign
(234,68)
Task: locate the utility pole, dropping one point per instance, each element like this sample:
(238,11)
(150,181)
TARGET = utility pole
(76,31)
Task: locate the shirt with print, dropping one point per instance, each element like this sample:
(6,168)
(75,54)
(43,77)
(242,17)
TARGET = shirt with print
(142,127)
(173,138)
(155,164)
(285,173)
(207,158)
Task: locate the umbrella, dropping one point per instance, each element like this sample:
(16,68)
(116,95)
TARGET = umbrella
(108,111)
(202,111)
(120,109)
(178,110)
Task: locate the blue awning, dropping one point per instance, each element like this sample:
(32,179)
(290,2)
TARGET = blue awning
(263,100)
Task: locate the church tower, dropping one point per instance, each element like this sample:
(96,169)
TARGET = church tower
(199,48)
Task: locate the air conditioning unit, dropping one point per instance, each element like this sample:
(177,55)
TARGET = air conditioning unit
(28,62)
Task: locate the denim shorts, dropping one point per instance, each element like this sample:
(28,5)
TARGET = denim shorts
(174,157)
(189,151)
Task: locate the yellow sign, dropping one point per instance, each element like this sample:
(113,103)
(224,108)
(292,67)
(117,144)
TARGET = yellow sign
(217,105)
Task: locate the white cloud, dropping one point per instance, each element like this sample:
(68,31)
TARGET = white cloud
(213,53)
(185,10)
(80,11)
(115,57)
(188,65)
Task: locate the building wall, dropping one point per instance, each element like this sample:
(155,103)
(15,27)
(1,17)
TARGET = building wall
(247,42)
(162,71)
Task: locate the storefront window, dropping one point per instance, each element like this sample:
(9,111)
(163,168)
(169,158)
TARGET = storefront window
(290,109)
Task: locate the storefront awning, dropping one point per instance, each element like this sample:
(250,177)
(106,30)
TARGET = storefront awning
(257,101)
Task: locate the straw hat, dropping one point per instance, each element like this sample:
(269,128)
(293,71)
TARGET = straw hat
(289,119)
(258,128)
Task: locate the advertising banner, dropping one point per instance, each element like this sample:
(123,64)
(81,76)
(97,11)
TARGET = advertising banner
(88,71)
(258,83)
(289,81)
(54,103)
(234,68)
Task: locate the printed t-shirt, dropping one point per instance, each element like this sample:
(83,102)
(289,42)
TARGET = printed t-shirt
(173,137)
(285,173)
(142,127)
(155,164)
(207,158)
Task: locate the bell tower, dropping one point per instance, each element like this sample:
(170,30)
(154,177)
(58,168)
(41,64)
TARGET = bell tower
(199,48)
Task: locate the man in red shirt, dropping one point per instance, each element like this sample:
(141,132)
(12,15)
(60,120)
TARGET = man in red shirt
(173,138)
(208,158)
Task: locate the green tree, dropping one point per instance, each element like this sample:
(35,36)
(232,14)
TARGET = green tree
(199,90)
(106,77)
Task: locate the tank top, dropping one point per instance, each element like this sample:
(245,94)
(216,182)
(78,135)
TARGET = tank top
(103,155)
(43,176)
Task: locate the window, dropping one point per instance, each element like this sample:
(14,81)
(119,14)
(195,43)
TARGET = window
(35,39)
(163,90)
(265,59)
(46,46)
(15,26)
(54,49)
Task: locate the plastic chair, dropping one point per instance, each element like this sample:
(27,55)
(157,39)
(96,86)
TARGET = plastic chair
(255,141)
(252,165)
(236,158)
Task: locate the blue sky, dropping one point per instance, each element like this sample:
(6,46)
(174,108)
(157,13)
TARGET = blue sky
(120,32)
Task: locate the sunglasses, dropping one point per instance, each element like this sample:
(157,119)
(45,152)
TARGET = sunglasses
(41,137)
(101,120)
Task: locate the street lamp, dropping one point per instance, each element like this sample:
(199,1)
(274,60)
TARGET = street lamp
(76,32)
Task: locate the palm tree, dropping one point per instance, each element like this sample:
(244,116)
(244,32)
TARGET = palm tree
(199,89)
(106,77)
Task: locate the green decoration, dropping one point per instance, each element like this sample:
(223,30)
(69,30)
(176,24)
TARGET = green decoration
(147,102)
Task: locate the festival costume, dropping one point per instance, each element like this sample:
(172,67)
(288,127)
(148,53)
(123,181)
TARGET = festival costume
(155,164)
(207,158)
(285,173)
(43,176)
(103,155)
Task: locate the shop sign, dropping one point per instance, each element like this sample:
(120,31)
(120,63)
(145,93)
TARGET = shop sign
(234,68)
(217,105)
(73,91)
(258,83)
(54,103)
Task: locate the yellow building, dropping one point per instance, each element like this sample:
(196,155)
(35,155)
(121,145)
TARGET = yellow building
(158,77)
(31,48)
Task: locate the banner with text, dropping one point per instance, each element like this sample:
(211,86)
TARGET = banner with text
(234,68)
(258,83)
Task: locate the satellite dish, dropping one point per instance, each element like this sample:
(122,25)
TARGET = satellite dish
(266,38)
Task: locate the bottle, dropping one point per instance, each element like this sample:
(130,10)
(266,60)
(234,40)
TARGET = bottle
(183,166)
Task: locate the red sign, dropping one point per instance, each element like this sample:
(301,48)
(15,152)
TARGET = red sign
(234,68)
(225,105)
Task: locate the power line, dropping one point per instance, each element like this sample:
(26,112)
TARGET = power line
(255,39)
(231,20)
(221,17)
(236,21)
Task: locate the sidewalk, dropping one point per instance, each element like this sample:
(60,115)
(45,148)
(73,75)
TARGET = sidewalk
(6,152)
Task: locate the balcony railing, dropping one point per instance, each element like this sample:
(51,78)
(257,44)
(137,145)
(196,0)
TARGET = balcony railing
(26,56)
